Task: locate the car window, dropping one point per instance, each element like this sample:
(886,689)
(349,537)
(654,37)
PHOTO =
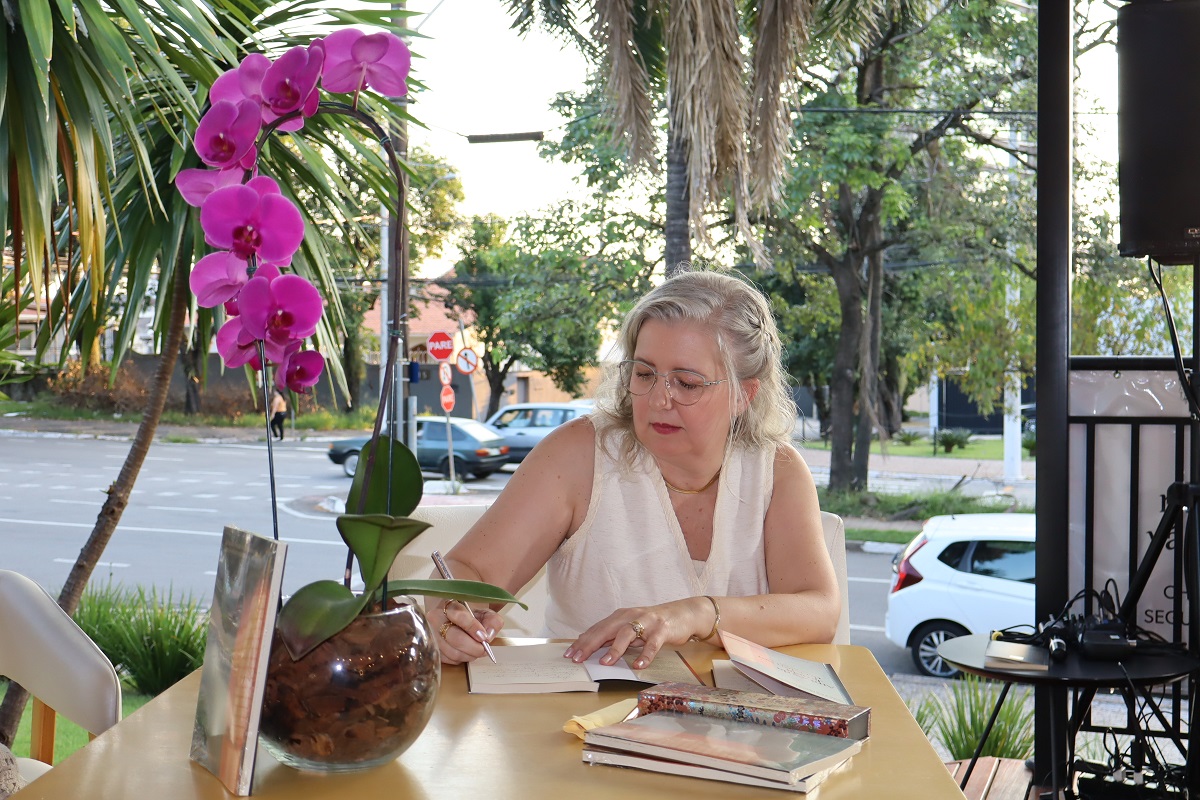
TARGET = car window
(1014,561)
(953,554)
(430,431)
(514,418)
(547,418)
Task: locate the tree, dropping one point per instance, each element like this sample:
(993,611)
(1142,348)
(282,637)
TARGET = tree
(854,188)
(727,128)
(542,295)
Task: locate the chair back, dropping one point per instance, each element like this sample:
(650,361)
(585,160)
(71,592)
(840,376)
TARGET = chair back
(43,650)
(449,523)
(835,540)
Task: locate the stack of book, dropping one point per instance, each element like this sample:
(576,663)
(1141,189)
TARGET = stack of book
(751,738)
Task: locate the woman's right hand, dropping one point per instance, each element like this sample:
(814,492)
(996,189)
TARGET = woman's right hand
(460,630)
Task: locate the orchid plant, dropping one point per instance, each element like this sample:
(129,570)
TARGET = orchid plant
(271,312)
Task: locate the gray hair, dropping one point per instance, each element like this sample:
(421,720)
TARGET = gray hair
(747,338)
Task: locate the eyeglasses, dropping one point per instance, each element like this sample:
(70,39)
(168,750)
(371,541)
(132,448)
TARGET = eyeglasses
(683,386)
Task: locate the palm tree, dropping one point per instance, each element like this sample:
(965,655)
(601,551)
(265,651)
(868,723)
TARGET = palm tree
(728,113)
(95,102)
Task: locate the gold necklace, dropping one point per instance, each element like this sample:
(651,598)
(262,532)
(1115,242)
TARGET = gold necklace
(711,481)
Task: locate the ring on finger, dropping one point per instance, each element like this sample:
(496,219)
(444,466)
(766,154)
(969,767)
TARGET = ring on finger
(445,627)
(639,630)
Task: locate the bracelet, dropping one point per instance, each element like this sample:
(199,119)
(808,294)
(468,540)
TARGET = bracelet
(716,622)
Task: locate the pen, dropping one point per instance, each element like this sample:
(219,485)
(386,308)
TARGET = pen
(445,572)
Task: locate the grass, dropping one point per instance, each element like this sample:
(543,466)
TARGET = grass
(68,737)
(977,449)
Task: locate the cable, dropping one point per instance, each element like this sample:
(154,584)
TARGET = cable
(1180,369)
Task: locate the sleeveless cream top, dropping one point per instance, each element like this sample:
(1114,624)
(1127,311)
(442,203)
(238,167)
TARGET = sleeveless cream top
(630,550)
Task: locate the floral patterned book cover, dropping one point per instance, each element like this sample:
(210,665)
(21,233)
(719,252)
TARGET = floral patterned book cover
(241,622)
(796,713)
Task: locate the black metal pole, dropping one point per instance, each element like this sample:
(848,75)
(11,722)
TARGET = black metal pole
(1055,56)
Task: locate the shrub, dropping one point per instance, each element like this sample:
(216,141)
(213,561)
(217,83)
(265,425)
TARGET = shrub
(78,387)
(950,438)
(908,437)
(1029,442)
(152,639)
(959,723)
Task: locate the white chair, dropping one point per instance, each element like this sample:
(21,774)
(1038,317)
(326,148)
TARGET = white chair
(835,540)
(43,650)
(449,523)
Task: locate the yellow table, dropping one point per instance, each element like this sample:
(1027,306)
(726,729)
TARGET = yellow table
(493,746)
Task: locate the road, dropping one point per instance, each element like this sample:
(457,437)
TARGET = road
(52,488)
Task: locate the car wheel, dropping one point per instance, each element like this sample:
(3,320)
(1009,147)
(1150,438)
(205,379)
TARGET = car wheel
(480,475)
(350,464)
(925,644)
(460,469)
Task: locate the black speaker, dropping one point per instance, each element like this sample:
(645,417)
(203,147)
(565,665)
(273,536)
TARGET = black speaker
(1158,123)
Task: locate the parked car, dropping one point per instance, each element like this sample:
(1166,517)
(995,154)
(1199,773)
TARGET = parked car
(479,449)
(526,424)
(963,573)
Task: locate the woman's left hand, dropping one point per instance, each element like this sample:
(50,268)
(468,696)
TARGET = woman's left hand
(652,627)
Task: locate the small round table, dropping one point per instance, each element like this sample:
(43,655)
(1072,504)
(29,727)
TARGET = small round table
(1136,671)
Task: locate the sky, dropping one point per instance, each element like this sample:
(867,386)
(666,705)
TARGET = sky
(483,78)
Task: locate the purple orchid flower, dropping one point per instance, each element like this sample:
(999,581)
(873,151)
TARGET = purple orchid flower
(195,185)
(237,348)
(280,312)
(225,136)
(299,370)
(290,84)
(253,219)
(217,278)
(355,60)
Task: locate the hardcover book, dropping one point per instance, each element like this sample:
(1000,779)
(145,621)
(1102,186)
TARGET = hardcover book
(615,758)
(241,622)
(794,713)
(1015,655)
(760,751)
(541,668)
(779,673)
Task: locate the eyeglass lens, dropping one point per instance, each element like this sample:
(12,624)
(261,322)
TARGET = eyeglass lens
(684,386)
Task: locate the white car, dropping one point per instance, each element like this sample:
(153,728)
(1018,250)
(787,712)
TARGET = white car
(526,424)
(963,573)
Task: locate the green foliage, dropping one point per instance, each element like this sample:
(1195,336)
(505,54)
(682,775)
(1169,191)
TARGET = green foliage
(908,437)
(154,640)
(950,438)
(68,737)
(959,723)
(542,294)
(1029,442)
(901,506)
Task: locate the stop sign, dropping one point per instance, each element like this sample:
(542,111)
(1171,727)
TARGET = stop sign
(440,345)
(447,399)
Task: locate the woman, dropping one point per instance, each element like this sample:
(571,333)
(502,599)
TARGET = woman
(278,414)
(690,512)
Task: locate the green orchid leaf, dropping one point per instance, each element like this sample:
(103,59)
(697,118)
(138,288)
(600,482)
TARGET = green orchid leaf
(376,540)
(467,591)
(314,613)
(396,483)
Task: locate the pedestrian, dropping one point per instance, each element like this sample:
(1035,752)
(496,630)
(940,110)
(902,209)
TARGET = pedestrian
(676,509)
(279,410)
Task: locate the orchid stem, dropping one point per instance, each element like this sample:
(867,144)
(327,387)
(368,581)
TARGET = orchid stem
(262,357)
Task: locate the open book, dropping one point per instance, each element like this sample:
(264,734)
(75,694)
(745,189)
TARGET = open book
(541,668)
(779,673)
(742,748)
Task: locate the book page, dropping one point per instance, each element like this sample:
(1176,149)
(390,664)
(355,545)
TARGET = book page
(541,664)
(813,677)
(667,666)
